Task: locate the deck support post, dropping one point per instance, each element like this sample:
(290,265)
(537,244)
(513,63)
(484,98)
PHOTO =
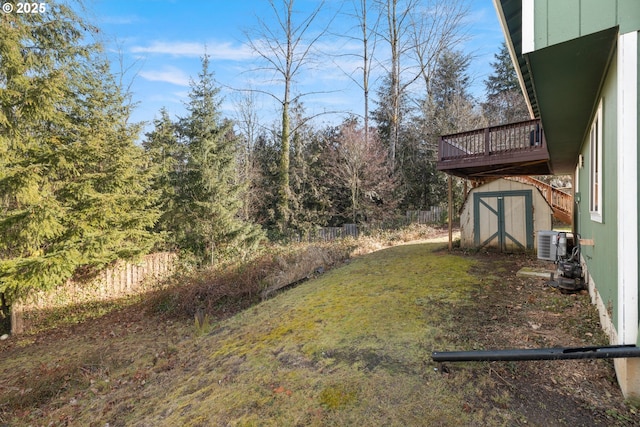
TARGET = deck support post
(450,212)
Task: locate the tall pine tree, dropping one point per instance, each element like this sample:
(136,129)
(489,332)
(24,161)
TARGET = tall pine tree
(448,108)
(165,156)
(73,185)
(207,202)
(505,102)
(309,198)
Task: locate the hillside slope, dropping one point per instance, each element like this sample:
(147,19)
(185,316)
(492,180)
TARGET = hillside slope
(351,347)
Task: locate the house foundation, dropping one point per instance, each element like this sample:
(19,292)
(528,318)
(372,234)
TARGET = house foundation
(627,369)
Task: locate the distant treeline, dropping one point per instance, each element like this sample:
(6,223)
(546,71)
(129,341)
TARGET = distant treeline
(78,191)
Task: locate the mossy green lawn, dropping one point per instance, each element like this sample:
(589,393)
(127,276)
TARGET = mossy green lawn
(350,348)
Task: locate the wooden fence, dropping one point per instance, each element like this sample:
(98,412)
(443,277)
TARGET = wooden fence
(121,280)
(324,234)
(434,215)
(332,233)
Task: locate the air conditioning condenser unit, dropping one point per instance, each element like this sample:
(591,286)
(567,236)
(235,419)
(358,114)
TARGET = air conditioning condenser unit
(547,245)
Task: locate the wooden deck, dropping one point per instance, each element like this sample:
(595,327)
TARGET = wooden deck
(513,149)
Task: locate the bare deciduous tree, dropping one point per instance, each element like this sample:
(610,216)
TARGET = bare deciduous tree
(395,35)
(362,168)
(367,30)
(417,32)
(286,46)
(248,125)
(436,27)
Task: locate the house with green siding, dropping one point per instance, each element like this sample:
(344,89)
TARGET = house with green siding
(577,61)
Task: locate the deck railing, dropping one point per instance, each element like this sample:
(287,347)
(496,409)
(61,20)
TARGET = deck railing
(514,137)
(561,202)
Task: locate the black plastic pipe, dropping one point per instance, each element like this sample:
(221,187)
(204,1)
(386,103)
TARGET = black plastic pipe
(602,352)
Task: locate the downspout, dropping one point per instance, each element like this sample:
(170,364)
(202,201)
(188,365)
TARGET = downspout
(527,354)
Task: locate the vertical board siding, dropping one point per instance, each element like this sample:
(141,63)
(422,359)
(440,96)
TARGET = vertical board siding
(532,213)
(563,20)
(558,21)
(628,15)
(596,15)
(600,257)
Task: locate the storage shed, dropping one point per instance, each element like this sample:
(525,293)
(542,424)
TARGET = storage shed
(504,214)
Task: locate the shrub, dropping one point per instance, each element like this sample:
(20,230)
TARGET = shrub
(224,290)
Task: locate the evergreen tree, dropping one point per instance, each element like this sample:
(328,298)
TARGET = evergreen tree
(207,202)
(448,108)
(165,155)
(422,183)
(264,184)
(505,102)
(384,113)
(109,198)
(73,185)
(309,202)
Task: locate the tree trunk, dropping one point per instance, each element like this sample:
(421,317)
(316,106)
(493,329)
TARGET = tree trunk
(283,193)
(17,320)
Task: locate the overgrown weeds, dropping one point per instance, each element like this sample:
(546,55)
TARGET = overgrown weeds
(219,291)
(45,382)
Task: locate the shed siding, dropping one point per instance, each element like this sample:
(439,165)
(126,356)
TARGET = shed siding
(514,212)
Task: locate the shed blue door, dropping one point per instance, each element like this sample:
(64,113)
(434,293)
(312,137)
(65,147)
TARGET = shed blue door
(503,219)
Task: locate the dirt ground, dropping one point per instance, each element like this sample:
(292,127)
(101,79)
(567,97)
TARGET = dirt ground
(508,312)
(514,312)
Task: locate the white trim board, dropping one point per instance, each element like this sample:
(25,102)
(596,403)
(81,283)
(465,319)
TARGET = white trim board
(627,188)
(528,26)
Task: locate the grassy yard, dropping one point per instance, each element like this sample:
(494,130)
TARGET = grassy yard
(351,347)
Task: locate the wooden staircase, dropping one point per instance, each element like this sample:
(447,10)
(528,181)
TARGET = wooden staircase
(560,201)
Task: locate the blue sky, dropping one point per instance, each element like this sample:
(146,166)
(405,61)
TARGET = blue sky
(160,42)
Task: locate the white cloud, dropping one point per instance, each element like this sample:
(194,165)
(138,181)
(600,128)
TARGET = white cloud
(216,50)
(168,74)
(171,48)
(228,51)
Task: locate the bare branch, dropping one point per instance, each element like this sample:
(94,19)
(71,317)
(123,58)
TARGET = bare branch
(285,49)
